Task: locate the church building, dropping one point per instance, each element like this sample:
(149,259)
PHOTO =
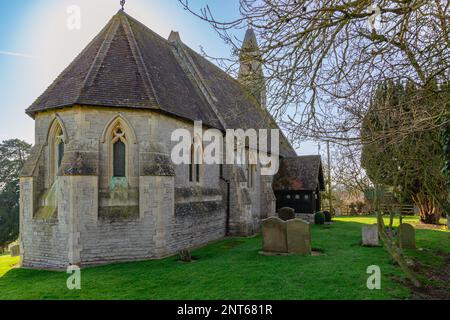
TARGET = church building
(100,186)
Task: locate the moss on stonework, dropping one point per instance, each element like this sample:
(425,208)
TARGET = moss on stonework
(118,213)
(159,170)
(196,191)
(49,200)
(190,208)
(158,165)
(46,213)
(77,164)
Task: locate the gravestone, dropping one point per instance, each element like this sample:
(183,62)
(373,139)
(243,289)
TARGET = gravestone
(274,235)
(407,236)
(298,237)
(370,235)
(14,250)
(286,213)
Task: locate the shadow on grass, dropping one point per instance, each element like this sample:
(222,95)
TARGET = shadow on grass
(233,269)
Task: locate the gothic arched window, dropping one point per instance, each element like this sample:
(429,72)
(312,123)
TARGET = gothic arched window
(119,159)
(56,144)
(191,164)
(119,152)
(60,152)
(196,160)
(251,171)
(59,147)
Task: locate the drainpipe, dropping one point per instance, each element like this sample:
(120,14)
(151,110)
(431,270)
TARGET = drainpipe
(227,219)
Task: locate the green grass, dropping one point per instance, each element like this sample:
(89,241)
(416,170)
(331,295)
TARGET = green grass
(7,263)
(233,269)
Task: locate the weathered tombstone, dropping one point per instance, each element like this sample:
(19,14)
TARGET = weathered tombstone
(370,235)
(274,235)
(407,236)
(14,250)
(286,213)
(298,237)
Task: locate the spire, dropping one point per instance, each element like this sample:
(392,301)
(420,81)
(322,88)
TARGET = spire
(250,44)
(250,71)
(122,3)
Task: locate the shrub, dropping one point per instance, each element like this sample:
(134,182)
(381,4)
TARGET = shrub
(319,218)
(327,216)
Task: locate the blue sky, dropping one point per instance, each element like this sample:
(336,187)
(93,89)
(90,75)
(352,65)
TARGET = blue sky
(36,45)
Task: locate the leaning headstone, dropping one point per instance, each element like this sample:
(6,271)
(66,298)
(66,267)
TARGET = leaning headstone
(14,250)
(286,213)
(407,236)
(370,235)
(298,237)
(274,235)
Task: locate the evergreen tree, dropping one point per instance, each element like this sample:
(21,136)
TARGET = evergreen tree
(13,154)
(412,165)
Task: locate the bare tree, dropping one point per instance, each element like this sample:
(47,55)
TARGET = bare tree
(347,171)
(322,59)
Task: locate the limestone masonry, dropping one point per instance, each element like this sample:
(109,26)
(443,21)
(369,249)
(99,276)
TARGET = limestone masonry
(100,186)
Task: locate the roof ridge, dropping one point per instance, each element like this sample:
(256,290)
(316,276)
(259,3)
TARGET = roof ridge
(145,27)
(248,95)
(265,113)
(148,85)
(68,68)
(100,56)
(186,60)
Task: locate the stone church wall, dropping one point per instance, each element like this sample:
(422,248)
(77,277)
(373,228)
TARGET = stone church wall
(173,213)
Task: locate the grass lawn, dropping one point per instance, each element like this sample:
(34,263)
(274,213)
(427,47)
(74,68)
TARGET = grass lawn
(233,269)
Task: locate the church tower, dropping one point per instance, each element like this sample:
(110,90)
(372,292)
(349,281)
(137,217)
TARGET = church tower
(250,70)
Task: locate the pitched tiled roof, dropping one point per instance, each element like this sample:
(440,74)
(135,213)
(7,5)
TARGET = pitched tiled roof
(299,173)
(128,65)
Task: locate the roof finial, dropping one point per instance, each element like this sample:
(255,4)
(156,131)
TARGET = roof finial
(122,3)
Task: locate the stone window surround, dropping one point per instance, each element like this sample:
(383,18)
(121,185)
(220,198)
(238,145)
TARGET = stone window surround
(196,170)
(110,137)
(56,135)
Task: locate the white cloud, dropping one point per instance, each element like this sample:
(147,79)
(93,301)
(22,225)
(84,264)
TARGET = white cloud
(16,54)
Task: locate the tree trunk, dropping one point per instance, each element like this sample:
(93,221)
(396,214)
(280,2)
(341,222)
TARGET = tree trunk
(395,252)
(429,210)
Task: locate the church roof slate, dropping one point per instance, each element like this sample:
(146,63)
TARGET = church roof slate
(128,65)
(300,173)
